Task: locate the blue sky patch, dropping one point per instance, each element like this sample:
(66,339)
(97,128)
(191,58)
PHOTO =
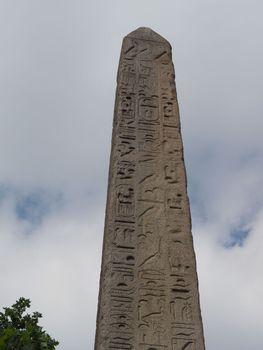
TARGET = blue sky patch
(237,237)
(34,206)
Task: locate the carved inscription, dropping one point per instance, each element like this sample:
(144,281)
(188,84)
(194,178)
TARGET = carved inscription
(183,344)
(125,200)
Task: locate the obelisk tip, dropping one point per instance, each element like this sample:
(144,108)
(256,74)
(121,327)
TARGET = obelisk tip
(146,33)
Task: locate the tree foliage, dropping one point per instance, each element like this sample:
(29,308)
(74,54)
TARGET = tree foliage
(20,331)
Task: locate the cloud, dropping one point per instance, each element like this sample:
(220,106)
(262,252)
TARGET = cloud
(58,69)
(231,288)
(56,266)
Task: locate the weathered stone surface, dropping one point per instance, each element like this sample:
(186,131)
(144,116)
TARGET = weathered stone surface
(148,290)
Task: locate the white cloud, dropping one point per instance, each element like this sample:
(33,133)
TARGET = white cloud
(231,289)
(58,68)
(57,267)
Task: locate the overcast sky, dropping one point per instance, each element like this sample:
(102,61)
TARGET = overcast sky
(58,63)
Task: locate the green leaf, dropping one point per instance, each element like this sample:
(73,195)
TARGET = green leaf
(20,331)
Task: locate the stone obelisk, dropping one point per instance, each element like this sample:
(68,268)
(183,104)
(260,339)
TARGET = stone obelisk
(149,296)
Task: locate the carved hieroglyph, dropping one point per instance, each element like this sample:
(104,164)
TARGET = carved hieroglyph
(148,290)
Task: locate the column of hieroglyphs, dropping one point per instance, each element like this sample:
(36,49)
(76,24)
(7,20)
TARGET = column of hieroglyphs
(149,291)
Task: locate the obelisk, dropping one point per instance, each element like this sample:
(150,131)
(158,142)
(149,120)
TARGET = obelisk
(149,297)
